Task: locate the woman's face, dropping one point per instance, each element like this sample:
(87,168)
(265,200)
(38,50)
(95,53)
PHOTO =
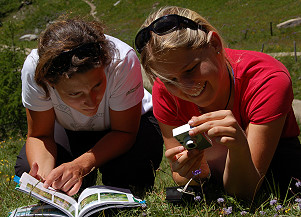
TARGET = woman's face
(83,91)
(200,74)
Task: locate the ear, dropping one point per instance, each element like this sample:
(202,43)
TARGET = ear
(215,41)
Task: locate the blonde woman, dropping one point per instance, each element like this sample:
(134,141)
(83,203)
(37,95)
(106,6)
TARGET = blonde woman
(242,100)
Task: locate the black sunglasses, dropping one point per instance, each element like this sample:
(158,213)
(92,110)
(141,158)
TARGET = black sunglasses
(62,62)
(162,26)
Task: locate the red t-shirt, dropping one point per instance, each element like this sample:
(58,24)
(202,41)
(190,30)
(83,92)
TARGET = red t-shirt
(263,93)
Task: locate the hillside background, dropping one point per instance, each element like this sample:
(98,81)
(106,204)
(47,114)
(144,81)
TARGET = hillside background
(244,24)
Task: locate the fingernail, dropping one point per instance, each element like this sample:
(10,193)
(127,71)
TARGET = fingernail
(46,185)
(181,148)
(190,122)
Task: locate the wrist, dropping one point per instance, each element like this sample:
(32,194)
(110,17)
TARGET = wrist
(179,180)
(86,163)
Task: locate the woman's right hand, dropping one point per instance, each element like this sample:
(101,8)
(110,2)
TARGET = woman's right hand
(58,179)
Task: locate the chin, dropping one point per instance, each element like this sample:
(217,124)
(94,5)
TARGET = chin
(89,113)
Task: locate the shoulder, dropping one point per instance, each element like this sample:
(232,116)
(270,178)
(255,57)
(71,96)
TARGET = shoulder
(169,109)
(125,63)
(124,59)
(29,66)
(159,89)
(247,63)
(263,85)
(256,68)
(161,97)
(31,60)
(122,48)
(34,55)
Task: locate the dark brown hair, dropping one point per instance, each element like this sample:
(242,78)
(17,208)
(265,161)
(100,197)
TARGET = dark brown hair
(65,35)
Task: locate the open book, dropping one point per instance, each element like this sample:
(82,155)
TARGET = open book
(90,201)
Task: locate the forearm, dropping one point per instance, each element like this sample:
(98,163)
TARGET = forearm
(112,145)
(43,151)
(241,178)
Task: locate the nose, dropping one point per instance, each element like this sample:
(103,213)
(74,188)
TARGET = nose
(91,100)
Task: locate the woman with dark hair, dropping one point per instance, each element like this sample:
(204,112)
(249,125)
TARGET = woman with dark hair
(86,108)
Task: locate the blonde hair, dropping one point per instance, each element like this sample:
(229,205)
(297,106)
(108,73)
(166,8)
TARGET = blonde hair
(180,38)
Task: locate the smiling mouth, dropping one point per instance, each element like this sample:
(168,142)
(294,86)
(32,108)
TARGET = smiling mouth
(199,91)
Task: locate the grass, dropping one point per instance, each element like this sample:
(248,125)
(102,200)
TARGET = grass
(243,24)
(208,205)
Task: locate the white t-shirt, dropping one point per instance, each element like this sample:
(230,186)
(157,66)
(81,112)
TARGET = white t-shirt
(124,90)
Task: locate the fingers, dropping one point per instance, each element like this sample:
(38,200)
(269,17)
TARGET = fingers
(183,161)
(204,124)
(172,153)
(69,186)
(75,188)
(220,127)
(34,169)
(189,162)
(65,180)
(54,175)
(34,172)
(210,116)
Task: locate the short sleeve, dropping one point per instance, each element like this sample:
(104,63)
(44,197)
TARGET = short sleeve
(169,109)
(163,106)
(33,96)
(126,86)
(271,98)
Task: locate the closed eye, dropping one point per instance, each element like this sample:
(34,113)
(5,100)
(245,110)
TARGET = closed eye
(190,70)
(98,84)
(74,94)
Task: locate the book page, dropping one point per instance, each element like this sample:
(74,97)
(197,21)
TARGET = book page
(33,187)
(98,209)
(38,210)
(104,197)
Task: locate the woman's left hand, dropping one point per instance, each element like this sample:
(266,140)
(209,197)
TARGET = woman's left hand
(66,177)
(221,127)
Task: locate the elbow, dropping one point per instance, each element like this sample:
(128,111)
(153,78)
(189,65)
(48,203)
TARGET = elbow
(242,191)
(131,140)
(245,194)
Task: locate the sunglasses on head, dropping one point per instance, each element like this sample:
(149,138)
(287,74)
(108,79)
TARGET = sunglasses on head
(162,26)
(62,62)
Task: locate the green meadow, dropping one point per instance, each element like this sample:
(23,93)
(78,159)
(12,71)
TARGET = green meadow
(244,24)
